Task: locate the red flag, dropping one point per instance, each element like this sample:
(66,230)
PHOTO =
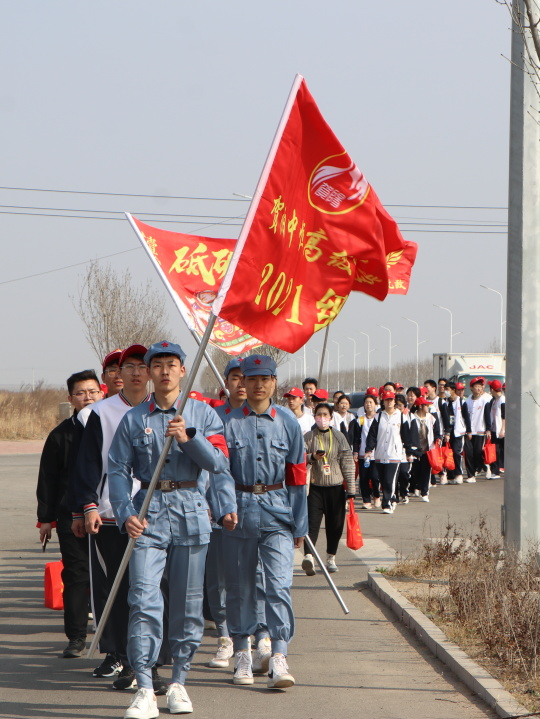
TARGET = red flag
(399,265)
(192,268)
(316,233)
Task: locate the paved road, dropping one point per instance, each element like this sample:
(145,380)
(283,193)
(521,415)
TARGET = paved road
(364,664)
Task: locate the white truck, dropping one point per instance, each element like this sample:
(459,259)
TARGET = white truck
(463,367)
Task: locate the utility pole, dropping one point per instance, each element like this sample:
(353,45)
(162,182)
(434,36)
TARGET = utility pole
(521,509)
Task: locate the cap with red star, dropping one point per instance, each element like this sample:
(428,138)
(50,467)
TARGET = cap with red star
(259,365)
(169,348)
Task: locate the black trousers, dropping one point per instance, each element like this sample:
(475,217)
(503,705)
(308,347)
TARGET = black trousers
(457,448)
(421,473)
(388,477)
(404,479)
(327,502)
(76,579)
(368,475)
(499,462)
(474,454)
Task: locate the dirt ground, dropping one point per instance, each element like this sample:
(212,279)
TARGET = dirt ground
(27,446)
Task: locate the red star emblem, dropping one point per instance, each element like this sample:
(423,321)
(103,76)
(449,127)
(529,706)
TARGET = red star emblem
(257,361)
(164,344)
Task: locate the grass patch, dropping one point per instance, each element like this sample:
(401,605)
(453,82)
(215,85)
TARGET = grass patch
(485,598)
(29,414)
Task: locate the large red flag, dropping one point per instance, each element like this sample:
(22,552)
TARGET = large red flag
(315,231)
(192,268)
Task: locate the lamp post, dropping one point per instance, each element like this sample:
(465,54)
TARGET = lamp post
(417,343)
(369,351)
(450,312)
(318,359)
(354,363)
(502,322)
(338,355)
(389,351)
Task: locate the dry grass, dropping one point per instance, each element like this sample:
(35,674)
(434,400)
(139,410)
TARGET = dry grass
(29,414)
(486,601)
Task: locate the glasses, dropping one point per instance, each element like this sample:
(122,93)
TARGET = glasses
(111,371)
(87,393)
(130,368)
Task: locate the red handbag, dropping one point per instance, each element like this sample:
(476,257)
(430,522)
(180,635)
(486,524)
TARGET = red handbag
(354,533)
(436,459)
(490,452)
(448,457)
(54,586)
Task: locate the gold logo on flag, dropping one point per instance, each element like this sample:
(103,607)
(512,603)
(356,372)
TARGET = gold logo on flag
(337,186)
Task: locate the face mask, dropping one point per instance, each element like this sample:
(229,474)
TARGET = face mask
(322,422)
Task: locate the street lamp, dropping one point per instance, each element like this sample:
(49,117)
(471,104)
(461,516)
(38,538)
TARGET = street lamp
(318,361)
(369,351)
(500,295)
(389,351)
(417,343)
(354,363)
(338,355)
(450,312)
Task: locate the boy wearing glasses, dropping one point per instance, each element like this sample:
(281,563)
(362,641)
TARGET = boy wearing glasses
(52,511)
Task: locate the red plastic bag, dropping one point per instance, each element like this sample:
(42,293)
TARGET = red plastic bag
(354,533)
(54,586)
(435,459)
(448,457)
(490,452)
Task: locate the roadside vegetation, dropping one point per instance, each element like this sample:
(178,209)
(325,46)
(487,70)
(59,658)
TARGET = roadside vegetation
(486,599)
(29,414)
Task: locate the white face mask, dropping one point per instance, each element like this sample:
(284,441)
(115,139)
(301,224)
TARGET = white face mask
(322,422)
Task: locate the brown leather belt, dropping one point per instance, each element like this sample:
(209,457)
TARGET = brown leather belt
(167,485)
(258,488)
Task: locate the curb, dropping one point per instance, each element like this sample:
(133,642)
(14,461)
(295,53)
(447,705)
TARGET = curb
(469,672)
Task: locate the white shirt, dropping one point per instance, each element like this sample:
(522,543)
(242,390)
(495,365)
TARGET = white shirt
(476,412)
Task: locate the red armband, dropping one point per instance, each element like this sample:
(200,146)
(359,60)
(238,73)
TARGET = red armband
(53,524)
(295,474)
(218,441)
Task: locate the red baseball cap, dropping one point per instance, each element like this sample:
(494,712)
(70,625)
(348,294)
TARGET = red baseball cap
(399,385)
(320,394)
(420,401)
(460,385)
(388,394)
(113,356)
(381,389)
(477,380)
(372,392)
(496,385)
(423,391)
(130,351)
(294,392)
(215,402)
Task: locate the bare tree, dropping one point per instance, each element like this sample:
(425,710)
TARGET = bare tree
(116,313)
(220,359)
(525,16)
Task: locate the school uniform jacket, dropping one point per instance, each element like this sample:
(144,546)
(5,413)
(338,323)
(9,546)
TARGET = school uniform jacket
(388,435)
(447,413)
(433,432)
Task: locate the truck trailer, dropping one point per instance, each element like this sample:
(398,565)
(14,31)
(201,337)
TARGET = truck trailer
(464,367)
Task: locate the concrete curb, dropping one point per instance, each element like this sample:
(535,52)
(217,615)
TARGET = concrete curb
(468,671)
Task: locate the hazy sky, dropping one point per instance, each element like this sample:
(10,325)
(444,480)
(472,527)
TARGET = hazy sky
(182,99)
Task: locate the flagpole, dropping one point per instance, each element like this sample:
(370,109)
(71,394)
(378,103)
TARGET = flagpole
(178,304)
(333,587)
(246,227)
(149,492)
(323,353)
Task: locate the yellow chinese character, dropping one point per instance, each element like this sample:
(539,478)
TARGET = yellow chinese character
(391,285)
(341,261)
(312,251)
(152,246)
(301,236)
(278,206)
(223,257)
(329,307)
(194,264)
(291,227)
(400,285)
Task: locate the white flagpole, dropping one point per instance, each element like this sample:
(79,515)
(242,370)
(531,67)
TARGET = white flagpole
(231,269)
(179,306)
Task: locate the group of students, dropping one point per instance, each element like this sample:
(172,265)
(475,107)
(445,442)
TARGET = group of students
(391,435)
(230,504)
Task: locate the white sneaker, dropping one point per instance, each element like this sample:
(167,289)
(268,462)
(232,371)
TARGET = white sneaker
(459,479)
(488,472)
(308,565)
(470,480)
(405,500)
(444,479)
(377,503)
(223,654)
(278,675)
(495,476)
(388,510)
(331,565)
(366,505)
(425,498)
(178,700)
(144,706)
(394,505)
(261,658)
(416,492)
(243,673)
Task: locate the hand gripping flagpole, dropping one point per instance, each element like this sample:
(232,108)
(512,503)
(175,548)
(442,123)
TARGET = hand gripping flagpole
(149,492)
(328,578)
